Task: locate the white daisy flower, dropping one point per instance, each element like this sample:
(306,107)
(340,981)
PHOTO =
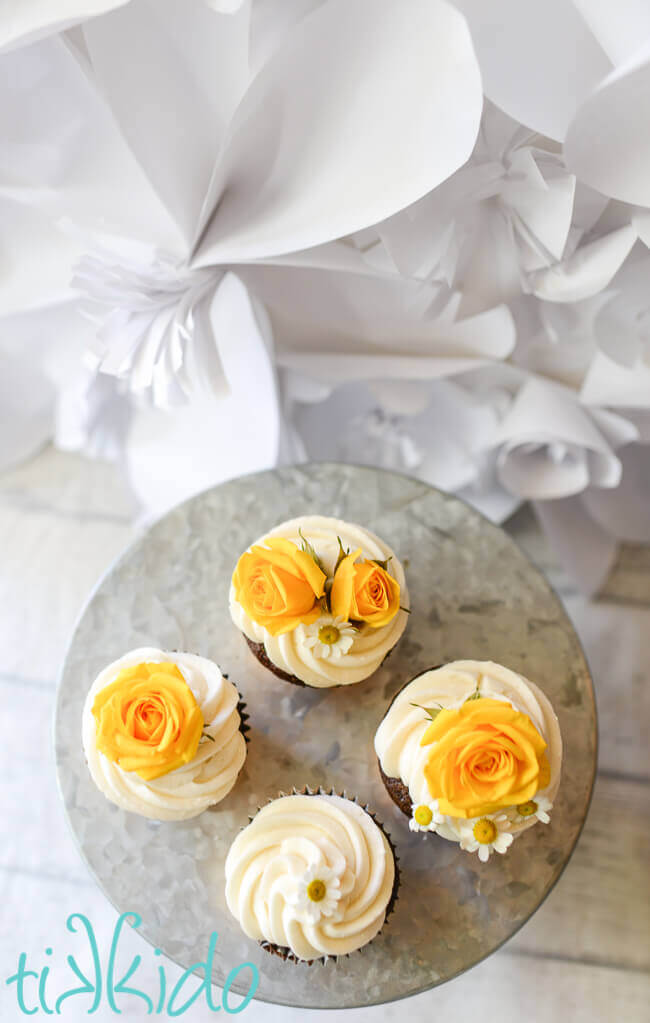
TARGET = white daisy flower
(316,894)
(426,816)
(328,636)
(487,834)
(538,807)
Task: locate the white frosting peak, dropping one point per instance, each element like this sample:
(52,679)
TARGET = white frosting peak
(211,773)
(294,652)
(298,839)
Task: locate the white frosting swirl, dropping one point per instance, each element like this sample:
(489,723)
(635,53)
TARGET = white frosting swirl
(290,651)
(397,740)
(204,780)
(295,838)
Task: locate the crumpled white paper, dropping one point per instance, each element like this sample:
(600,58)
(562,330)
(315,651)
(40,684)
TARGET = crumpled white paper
(550,446)
(26,21)
(608,148)
(539,61)
(206,441)
(300,243)
(500,219)
(307,157)
(209,177)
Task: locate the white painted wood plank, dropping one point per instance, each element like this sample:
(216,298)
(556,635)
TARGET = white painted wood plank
(600,908)
(628,580)
(38,839)
(33,914)
(506,987)
(49,566)
(616,641)
(598,912)
(69,484)
(63,519)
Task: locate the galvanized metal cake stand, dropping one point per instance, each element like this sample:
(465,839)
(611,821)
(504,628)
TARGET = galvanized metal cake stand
(473,595)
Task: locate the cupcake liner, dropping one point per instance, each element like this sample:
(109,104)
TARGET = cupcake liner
(284,952)
(244,718)
(244,727)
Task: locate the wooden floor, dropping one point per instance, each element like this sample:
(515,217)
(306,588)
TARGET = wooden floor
(585,956)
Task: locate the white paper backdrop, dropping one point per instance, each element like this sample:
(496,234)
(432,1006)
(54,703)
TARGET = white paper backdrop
(237,233)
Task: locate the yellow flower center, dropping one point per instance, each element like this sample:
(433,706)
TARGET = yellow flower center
(485,831)
(316,890)
(423,816)
(329,634)
(527,809)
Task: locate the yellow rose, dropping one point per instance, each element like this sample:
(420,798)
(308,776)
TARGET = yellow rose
(148,720)
(485,756)
(278,585)
(364,592)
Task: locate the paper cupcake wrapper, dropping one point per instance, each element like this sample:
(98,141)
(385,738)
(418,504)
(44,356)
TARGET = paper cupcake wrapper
(244,717)
(285,953)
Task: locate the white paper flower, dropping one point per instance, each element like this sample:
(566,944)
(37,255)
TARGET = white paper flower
(505,215)
(426,816)
(328,636)
(145,308)
(23,21)
(622,323)
(316,894)
(551,446)
(486,834)
(538,807)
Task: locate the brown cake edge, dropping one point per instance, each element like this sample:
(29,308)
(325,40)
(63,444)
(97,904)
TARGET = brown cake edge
(397,791)
(259,651)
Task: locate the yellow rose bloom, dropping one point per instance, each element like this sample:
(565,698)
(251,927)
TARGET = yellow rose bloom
(364,592)
(278,585)
(148,720)
(485,756)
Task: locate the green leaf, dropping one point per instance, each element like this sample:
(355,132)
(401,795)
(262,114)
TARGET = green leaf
(206,735)
(383,564)
(474,696)
(342,554)
(431,712)
(308,549)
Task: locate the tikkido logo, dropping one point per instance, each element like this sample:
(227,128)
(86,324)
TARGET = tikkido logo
(33,990)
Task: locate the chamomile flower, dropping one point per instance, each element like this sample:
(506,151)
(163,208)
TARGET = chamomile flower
(538,807)
(487,835)
(426,816)
(328,637)
(316,894)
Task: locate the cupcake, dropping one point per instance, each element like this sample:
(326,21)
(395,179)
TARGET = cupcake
(320,601)
(163,733)
(312,876)
(473,752)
